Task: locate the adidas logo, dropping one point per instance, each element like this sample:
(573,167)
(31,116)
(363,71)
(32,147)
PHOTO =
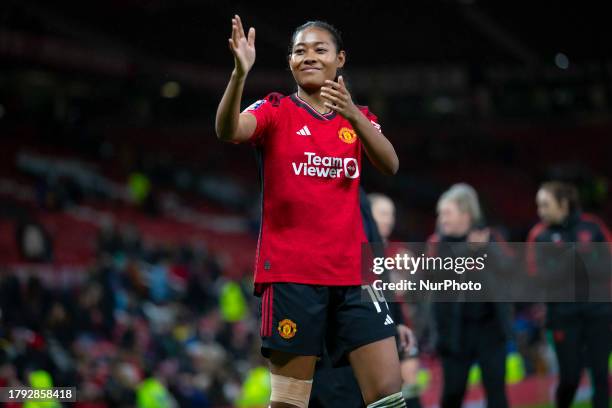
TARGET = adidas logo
(304,131)
(388,320)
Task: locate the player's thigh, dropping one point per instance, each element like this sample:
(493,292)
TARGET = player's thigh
(377,369)
(292,365)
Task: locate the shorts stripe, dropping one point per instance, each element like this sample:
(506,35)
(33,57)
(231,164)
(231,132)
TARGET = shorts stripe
(270,310)
(264,313)
(267,315)
(263,297)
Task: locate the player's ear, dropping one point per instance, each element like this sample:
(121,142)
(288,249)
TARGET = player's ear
(341,58)
(289,60)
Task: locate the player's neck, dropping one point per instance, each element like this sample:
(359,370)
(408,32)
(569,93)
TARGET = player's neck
(314,99)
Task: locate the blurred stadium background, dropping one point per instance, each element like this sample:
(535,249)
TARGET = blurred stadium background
(127,232)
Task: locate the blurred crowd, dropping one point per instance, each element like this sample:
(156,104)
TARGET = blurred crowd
(145,323)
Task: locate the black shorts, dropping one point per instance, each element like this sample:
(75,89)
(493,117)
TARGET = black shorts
(299,319)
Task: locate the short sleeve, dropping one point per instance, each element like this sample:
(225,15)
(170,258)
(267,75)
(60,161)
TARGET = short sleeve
(264,111)
(371,117)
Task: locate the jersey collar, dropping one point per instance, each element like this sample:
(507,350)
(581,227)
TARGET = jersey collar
(308,108)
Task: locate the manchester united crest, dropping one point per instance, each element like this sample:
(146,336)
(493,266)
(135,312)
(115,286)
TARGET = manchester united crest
(287,328)
(347,135)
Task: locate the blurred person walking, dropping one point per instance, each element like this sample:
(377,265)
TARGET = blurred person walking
(468,332)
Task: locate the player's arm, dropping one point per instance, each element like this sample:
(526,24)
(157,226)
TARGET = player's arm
(230,124)
(379,149)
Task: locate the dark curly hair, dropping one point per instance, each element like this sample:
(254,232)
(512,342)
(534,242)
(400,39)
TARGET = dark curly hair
(333,31)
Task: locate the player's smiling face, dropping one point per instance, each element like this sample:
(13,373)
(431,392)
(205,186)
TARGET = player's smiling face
(314,58)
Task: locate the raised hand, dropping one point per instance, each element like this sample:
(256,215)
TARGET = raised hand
(339,99)
(242,46)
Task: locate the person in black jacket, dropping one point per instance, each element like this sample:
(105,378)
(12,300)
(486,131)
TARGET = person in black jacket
(468,332)
(581,331)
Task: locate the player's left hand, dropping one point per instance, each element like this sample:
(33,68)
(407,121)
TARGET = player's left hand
(339,99)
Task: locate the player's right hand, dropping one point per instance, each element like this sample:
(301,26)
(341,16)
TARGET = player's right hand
(407,340)
(242,47)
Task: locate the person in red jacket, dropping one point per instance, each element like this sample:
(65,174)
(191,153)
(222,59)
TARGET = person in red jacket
(307,266)
(582,332)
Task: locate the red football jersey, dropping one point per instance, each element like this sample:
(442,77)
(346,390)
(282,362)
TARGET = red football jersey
(311,228)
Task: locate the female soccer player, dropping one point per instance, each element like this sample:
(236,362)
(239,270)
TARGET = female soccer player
(308,256)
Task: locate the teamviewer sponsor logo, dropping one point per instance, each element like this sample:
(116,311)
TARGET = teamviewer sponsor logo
(326,166)
(351,169)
